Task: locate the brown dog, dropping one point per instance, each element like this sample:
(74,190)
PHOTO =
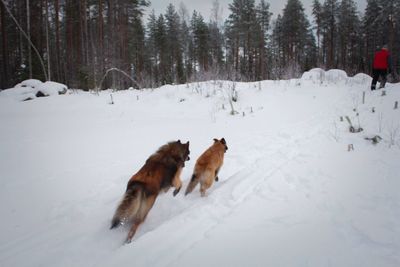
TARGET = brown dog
(207,167)
(161,171)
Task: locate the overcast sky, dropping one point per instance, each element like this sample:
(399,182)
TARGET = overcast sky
(204,6)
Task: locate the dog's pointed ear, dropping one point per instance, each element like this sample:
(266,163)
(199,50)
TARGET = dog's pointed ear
(216,140)
(223,141)
(187,143)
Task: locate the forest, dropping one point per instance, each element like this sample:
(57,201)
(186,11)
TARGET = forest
(99,44)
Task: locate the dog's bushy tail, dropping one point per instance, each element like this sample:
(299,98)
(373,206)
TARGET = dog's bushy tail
(129,204)
(192,184)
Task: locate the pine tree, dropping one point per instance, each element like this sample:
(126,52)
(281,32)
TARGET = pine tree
(174,45)
(151,50)
(263,20)
(216,39)
(349,28)
(297,37)
(200,41)
(374,29)
(276,48)
(161,37)
(317,13)
(242,31)
(330,32)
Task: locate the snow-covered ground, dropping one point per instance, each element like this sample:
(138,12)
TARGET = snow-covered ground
(290,193)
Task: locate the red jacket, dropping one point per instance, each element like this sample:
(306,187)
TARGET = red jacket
(381,60)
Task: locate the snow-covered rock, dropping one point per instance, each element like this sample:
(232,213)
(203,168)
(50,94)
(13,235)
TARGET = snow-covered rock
(19,93)
(52,88)
(29,83)
(30,89)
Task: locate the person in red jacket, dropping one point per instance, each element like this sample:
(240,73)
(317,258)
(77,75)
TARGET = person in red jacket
(381,65)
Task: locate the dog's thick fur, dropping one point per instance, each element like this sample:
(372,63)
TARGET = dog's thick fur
(207,167)
(161,171)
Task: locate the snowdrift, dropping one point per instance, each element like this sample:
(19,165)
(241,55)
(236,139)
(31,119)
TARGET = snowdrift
(31,89)
(334,76)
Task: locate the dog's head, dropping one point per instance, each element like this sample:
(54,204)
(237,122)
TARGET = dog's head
(184,151)
(222,142)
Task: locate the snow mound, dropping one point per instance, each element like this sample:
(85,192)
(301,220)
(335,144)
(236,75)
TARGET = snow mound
(29,83)
(361,78)
(52,88)
(316,76)
(31,89)
(334,76)
(19,93)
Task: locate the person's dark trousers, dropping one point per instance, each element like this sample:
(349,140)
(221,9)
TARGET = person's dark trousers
(376,73)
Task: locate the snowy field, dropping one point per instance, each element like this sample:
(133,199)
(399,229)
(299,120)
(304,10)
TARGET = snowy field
(290,193)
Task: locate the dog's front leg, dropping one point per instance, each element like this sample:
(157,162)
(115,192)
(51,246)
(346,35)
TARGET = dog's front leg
(176,181)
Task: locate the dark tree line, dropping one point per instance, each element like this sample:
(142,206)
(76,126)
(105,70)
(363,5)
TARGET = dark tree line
(80,40)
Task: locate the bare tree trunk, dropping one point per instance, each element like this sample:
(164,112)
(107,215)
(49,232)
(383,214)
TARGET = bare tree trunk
(4,43)
(69,40)
(101,37)
(262,57)
(58,55)
(28,29)
(112,42)
(47,40)
(86,34)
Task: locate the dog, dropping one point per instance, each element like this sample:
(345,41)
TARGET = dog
(207,167)
(161,171)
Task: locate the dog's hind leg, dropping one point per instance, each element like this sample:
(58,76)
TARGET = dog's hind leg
(216,175)
(192,184)
(146,205)
(206,182)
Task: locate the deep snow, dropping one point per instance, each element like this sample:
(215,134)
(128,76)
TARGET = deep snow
(290,193)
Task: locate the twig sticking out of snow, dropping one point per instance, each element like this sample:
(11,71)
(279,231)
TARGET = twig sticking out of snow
(353,129)
(375,139)
(393,133)
(348,120)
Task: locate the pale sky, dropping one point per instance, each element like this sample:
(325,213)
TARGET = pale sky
(204,6)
